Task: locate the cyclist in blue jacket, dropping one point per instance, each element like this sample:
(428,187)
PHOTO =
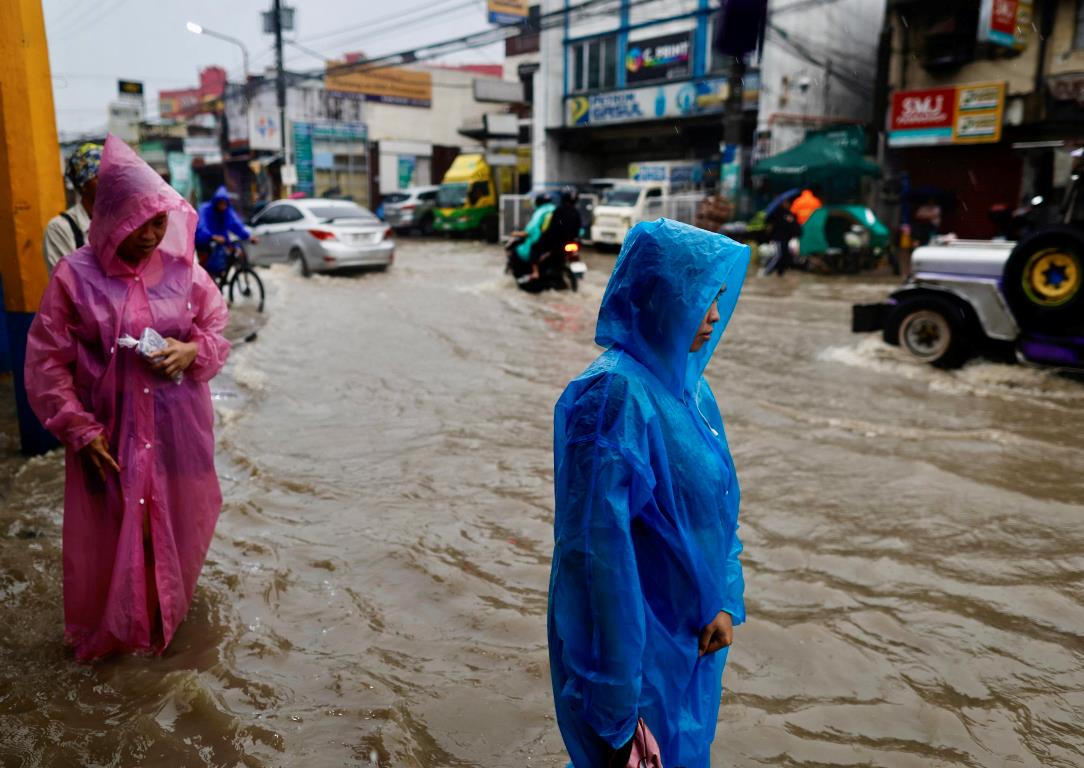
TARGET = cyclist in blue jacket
(217,221)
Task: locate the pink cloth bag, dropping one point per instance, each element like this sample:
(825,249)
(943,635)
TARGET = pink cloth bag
(645,750)
(82,384)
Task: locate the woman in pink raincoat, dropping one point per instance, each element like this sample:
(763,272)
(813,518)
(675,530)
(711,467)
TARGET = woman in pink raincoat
(141,494)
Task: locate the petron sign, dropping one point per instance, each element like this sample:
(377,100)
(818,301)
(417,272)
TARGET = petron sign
(658,58)
(960,114)
(666,100)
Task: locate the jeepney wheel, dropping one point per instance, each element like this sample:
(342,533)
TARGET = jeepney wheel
(932,330)
(1044,281)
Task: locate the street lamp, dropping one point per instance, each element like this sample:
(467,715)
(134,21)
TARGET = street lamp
(197,29)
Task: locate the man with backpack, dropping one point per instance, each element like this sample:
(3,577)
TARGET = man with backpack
(67,231)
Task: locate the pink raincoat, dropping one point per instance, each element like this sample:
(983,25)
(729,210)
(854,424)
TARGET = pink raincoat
(81,383)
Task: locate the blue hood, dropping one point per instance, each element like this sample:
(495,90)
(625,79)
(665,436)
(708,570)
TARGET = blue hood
(221,194)
(665,279)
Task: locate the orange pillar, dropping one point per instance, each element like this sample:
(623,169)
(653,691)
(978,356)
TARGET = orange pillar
(31,186)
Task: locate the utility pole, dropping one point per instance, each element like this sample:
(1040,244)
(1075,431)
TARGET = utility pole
(280,76)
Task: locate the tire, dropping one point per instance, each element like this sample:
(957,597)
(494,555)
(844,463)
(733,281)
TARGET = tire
(302,266)
(246,289)
(932,329)
(573,281)
(1044,281)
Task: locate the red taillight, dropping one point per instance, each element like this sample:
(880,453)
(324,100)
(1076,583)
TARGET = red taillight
(572,248)
(322,234)
(387,233)
(407,207)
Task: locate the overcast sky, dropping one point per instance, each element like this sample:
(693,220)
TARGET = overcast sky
(93,43)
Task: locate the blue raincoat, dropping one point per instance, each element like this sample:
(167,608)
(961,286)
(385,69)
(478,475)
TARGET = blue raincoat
(212,223)
(646,546)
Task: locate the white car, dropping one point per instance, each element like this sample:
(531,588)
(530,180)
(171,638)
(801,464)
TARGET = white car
(622,207)
(320,236)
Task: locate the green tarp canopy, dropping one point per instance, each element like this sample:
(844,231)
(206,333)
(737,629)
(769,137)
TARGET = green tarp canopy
(819,160)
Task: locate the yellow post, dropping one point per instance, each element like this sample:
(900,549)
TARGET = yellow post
(31,186)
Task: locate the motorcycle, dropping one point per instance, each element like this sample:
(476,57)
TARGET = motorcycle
(560,269)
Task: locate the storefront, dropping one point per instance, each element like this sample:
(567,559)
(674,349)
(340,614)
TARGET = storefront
(332,159)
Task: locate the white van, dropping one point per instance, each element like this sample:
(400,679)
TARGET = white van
(623,206)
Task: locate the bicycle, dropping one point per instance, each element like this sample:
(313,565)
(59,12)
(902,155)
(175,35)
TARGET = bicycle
(238,281)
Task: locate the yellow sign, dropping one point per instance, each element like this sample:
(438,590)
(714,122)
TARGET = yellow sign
(389,85)
(507,11)
(979,111)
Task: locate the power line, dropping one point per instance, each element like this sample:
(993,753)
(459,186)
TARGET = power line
(398,17)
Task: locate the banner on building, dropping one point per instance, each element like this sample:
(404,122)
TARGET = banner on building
(658,58)
(507,11)
(669,100)
(264,131)
(387,85)
(962,114)
(1005,22)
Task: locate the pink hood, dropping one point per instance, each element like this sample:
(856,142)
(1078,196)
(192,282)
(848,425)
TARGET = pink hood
(129,193)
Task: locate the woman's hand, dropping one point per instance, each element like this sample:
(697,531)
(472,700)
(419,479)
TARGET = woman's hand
(717,635)
(97,453)
(175,358)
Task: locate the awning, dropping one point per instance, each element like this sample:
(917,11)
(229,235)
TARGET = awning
(818,160)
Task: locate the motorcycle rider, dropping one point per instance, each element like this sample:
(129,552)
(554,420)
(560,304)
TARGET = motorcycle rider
(528,246)
(217,220)
(566,224)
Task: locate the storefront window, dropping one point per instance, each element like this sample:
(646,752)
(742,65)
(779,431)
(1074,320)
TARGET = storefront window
(594,64)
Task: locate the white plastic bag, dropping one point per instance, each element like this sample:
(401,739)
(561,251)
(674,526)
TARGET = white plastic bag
(149,342)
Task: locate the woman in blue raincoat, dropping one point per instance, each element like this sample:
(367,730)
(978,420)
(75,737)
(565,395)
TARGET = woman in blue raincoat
(646,584)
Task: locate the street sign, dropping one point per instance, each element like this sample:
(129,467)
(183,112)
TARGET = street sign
(289,175)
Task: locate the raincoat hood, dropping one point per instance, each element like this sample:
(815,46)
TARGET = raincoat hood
(664,281)
(221,194)
(129,193)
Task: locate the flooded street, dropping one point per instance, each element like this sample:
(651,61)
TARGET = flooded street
(376,590)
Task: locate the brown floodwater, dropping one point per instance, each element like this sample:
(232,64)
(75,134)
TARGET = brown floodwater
(376,590)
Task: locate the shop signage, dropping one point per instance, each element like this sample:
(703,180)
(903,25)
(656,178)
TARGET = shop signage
(130,88)
(658,58)
(669,100)
(306,135)
(1005,22)
(507,11)
(959,114)
(387,85)
(264,130)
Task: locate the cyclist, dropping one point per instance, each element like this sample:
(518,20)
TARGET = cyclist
(217,221)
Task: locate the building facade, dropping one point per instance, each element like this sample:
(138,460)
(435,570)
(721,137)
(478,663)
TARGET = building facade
(986,104)
(619,87)
(818,69)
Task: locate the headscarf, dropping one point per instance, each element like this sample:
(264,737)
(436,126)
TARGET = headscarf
(83,164)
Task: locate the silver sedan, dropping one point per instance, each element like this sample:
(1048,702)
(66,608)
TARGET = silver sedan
(320,236)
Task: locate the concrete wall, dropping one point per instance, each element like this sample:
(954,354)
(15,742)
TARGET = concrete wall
(907,73)
(1061,58)
(841,38)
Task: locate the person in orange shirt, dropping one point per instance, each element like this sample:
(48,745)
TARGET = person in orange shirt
(805,204)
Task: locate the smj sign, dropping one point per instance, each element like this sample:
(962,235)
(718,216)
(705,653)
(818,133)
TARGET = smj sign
(959,114)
